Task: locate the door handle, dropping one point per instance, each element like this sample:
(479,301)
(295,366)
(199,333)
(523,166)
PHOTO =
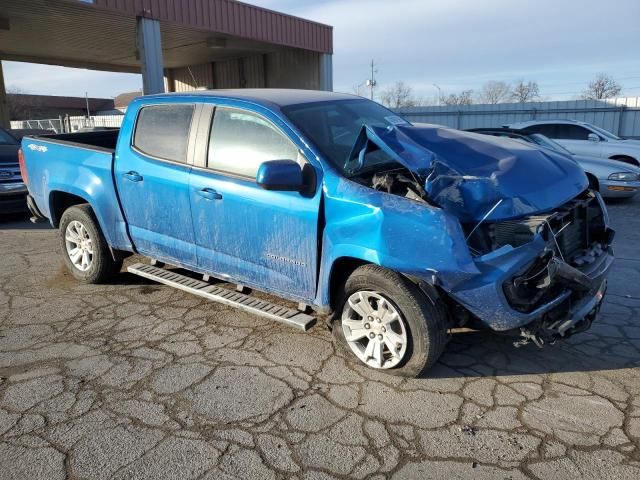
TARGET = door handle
(209,194)
(133,176)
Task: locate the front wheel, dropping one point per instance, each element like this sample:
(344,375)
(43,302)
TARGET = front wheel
(387,322)
(84,248)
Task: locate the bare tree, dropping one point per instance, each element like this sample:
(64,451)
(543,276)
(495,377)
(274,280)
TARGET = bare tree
(398,95)
(601,87)
(463,98)
(525,92)
(494,92)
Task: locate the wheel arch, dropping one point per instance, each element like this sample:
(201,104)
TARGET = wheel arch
(341,269)
(60,201)
(593,182)
(626,159)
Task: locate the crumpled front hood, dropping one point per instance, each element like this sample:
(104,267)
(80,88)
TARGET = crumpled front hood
(477,177)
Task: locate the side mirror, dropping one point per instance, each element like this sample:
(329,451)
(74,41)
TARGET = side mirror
(281,175)
(592,137)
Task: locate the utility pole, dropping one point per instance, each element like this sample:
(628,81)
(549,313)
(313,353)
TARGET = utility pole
(371,83)
(86,99)
(439,93)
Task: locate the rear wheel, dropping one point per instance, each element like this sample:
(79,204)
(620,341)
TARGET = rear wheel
(386,322)
(84,248)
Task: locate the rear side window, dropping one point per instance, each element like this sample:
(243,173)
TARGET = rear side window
(162,131)
(241,141)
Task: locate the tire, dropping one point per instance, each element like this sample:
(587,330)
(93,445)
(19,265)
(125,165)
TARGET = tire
(422,316)
(79,222)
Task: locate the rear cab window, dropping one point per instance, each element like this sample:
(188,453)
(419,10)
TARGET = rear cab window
(240,141)
(162,131)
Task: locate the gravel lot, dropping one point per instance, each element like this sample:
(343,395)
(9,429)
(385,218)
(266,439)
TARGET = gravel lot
(137,380)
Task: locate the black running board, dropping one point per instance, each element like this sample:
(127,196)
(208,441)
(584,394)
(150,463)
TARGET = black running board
(272,311)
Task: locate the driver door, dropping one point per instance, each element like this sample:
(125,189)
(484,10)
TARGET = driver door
(265,239)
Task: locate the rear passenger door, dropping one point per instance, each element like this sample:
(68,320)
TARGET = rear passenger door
(152,178)
(260,238)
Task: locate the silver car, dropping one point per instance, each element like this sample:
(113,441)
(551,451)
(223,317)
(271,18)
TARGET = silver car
(582,138)
(612,178)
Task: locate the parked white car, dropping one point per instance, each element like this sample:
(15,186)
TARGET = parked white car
(582,138)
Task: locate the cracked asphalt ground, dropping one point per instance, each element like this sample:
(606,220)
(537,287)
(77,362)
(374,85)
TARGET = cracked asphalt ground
(137,380)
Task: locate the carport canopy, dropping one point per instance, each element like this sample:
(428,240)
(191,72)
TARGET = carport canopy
(156,37)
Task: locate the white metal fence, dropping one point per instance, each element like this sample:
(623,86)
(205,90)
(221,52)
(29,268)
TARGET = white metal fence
(617,115)
(71,124)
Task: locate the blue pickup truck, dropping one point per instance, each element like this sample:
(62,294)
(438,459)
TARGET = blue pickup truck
(394,233)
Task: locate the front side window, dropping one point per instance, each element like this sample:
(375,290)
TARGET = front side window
(241,141)
(605,133)
(162,131)
(572,132)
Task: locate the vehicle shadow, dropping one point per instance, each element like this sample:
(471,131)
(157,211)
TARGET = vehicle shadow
(485,353)
(20,221)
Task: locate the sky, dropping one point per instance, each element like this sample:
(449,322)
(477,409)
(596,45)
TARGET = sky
(455,44)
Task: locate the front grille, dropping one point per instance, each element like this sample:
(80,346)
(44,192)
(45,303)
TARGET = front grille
(10,173)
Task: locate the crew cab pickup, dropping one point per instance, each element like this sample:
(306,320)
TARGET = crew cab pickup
(392,232)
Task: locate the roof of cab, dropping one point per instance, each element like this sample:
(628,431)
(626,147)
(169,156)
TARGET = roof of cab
(279,97)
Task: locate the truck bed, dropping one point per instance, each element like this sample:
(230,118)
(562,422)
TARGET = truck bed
(102,139)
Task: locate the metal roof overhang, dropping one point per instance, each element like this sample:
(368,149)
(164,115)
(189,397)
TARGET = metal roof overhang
(101,34)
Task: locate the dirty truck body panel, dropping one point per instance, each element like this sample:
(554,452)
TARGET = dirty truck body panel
(508,232)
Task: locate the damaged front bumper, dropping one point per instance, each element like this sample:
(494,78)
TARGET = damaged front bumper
(485,298)
(551,284)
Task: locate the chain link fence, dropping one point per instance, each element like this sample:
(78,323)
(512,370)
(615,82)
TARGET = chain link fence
(71,123)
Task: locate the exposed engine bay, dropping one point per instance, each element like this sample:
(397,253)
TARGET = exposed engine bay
(399,182)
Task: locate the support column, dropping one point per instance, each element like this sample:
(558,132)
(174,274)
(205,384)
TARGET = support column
(150,55)
(4,106)
(326,72)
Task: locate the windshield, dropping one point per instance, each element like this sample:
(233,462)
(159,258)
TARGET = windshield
(6,139)
(604,133)
(543,141)
(334,126)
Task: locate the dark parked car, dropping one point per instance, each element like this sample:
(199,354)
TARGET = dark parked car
(13,192)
